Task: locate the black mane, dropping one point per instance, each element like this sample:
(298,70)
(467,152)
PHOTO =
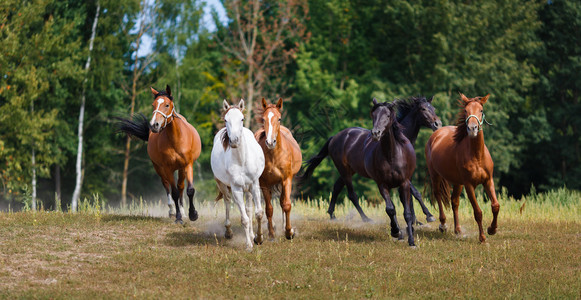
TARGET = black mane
(163,93)
(405,106)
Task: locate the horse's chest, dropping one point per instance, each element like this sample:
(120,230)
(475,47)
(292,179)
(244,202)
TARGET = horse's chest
(476,173)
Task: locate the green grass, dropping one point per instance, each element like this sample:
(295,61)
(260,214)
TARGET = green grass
(111,253)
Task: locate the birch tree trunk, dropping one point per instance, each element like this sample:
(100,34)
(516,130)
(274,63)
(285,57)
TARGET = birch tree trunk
(33,159)
(79,181)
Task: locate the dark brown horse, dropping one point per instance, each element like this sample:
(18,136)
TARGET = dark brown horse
(457,155)
(383,154)
(283,160)
(173,145)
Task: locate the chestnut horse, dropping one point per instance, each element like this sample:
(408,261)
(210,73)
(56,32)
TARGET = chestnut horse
(383,154)
(173,144)
(457,155)
(283,161)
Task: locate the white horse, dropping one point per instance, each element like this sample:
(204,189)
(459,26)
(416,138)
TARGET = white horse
(237,162)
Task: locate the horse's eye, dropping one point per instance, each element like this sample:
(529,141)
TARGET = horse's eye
(279,119)
(167,105)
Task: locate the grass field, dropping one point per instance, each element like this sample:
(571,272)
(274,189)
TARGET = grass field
(139,253)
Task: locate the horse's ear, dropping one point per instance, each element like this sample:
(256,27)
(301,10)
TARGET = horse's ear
(264,104)
(279,104)
(464,98)
(374,101)
(153,91)
(430,99)
(484,99)
(168,90)
(225,105)
(241,105)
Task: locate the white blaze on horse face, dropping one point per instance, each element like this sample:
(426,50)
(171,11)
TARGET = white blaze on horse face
(159,103)
(269,136)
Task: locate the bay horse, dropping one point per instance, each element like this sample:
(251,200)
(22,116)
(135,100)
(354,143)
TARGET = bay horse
(237,162)
(457,155)
(283,161)
(412,114)
(383,154)
(173,145)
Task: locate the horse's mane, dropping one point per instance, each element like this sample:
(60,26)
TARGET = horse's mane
(163,93)
(225,139)
(405,106)
(396,127)
(461,126)
(259,111)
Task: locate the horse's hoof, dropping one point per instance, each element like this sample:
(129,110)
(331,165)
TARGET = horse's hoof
(430,218)
(482,239)
(413,245)
(228,234)
(366,220)
(395,234)
(458,230)
(443,228)
(290,235)
(193,216)
(491,231)
(179,221)
(258,239)
(400,237)
(332,216)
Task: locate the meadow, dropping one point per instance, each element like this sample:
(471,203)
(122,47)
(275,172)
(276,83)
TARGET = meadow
(103,252)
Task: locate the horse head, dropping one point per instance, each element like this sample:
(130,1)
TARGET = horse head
(271,121)
(474,113)
(427,113)
(163,109)
(234,119)
(383,115)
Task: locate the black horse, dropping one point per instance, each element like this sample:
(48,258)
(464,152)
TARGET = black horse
(413,113)
(383,154)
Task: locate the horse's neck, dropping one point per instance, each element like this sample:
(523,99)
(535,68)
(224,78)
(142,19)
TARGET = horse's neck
(411,127)
(388,144)
(477,145)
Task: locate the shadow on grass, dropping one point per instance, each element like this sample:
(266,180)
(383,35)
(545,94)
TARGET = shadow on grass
(123,218)
(344,233)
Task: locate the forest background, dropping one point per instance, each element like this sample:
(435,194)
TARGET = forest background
(67,68)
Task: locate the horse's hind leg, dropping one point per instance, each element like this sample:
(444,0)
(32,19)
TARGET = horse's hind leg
(489,189)
(285,204)
(181,186)
(455,203)
(226,195)
(436,186)
(390,210)
(477,211)
(166,185)
(191,191)
(353,197)
(418,196)
(339,184)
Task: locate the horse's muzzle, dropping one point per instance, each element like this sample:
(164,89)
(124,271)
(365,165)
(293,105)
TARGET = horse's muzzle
(436,125)
(376,135)
(270,146)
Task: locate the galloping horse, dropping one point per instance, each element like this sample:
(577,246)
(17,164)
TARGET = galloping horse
(457,155)
(173,144)
(237,162)
(283,160)
(413,113)
(383,154)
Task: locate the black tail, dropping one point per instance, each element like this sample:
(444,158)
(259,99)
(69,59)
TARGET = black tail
(139,127)
(312,163)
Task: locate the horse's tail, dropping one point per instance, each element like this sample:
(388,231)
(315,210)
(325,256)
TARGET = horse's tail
(440,191)
(139,127)
(312,163)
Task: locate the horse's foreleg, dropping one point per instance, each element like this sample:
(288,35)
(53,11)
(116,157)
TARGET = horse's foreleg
(286,205)
(490,191)
(269,210)
(258,211)
(191,191)
(477,211)
(339,184)
(457,190)
(405,198)
(238,197)
(390,210)
(166,185)
(355,200)
(418,196)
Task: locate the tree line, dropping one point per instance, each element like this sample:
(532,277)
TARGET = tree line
(67,68)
